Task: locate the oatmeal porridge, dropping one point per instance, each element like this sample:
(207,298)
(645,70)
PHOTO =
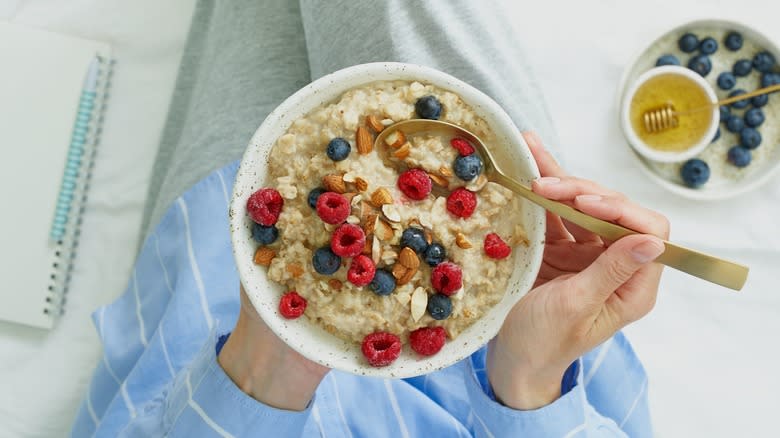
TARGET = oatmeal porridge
(405,243)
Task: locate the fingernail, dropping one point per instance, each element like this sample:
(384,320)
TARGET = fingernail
(647,251)
(588,198)
(548,180)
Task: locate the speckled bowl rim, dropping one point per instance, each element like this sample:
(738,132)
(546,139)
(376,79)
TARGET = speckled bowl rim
(306,337)
(744,186)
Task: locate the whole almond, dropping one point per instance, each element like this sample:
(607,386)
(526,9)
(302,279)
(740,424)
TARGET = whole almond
(264,255)
(294,269)
(462,241)
(439,180)
(383,230)
(361,184)
(403,151)
(408,259)
(365,143)
(334,183)
(380,197)
(407,277)
(373,122)
(335,284)
(395,139)
(399,271)
(445,171)
(418,303)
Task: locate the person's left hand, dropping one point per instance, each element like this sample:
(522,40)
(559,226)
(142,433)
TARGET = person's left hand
(587,288)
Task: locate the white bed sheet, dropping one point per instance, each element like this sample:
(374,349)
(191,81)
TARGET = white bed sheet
(710,353)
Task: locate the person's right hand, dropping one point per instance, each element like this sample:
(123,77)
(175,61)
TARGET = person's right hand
(587,288)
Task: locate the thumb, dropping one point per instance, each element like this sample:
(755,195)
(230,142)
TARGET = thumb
(618,263)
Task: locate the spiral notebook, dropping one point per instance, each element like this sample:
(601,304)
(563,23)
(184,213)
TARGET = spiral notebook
(53,91)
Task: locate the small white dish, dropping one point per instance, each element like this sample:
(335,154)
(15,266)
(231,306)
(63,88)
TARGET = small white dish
(655,154)
(726,181)
(308,338)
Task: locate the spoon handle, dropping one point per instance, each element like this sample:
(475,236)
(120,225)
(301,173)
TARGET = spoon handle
(707,267)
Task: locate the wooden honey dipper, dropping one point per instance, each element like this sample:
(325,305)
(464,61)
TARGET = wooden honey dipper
(665,117)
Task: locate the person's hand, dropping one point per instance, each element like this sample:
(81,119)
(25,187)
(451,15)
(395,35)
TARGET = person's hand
(587,288)
(264,367)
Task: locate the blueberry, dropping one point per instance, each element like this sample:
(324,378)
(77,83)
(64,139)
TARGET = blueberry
(739,156)
(740,104)
(708,46)
(314,195)
(325,261)
(763,62)
(264,235)
(735,124)
(750,138)
(435,254)
(383,282)
(726,80)
(742,67)
(338,149)
(667,60)
(700,64)
(439,306)
(733,41)
(725,113)
(717,135)
(688,43)
(467,168)
(428,107)
(760,100)
(695,172)
(414,238)
(754,117)
(769,79)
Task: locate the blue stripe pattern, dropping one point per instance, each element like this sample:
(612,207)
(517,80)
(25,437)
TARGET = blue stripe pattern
(159,375)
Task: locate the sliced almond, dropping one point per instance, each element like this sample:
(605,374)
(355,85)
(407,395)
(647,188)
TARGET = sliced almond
(428,236)
(352,219)
(365,143)
(373,122)
(478,184)
(350,197)
(361,184)
(294,269)
(349,177)
(383,230)
(520,236)
(335,284)
(369,223)
(395,139)
(408,259)
(439,180)
(334,183)
(391,213)
(264,255)
(365,210)
(376,251)
(445,171)
(403,151)
(380,197)
(418,303)
(387,122)
(367,247)
(462,241)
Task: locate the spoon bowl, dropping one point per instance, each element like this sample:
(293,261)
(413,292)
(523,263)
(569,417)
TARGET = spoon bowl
(707,267)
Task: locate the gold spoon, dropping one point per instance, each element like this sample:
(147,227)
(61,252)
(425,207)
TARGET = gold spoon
(698,264)
(666,117)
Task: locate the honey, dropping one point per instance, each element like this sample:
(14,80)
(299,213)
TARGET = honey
(685,95)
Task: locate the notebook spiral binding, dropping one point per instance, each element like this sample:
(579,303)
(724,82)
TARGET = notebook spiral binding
(72,198)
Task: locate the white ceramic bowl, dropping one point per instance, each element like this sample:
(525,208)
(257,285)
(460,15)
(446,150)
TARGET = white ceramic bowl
(655,154)
(725,182)
(308,338)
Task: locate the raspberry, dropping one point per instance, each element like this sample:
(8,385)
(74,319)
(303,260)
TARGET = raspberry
(264,206)
(292,305)
(462,202)
(348,240)
(415,184)
(427,341)
(381,348)
(332,208)
(464,148)
(447,278)
(496,248)
(361,271)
